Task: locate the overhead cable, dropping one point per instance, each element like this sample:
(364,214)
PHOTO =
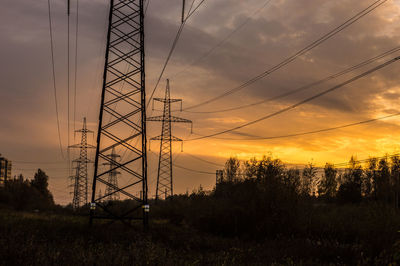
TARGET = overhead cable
(220,43)
(54,80)
(194,10)
(366,160)
(147,6)
(315,131)
(301,102)
(299,53)
(193,170)
(177,36)
(203,160)
(68,75)
(76,58)
(306,87)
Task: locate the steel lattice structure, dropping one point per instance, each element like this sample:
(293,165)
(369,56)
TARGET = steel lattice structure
(80,179)
(112,177)
(164,175)
(122,120)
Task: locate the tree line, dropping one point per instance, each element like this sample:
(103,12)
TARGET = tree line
(378,180)
(24,194)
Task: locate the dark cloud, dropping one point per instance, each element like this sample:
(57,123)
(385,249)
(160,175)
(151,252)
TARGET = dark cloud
(276,32)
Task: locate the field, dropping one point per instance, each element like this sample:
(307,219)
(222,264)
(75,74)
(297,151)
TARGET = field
(270,217)
(30,238)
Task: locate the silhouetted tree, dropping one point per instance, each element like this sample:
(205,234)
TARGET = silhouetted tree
(307,179)
(350,188)
(328,186)
(40,182)
(22,194)
(369,177)
(270,170)
(250,168)
(395,172)
(231,170)
(382,181)
(292,180)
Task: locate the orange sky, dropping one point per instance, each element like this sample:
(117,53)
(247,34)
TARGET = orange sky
(29,133)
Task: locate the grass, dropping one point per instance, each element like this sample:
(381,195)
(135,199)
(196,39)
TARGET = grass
(59,239)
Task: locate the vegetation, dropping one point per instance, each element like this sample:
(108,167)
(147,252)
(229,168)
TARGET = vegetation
(22,194)
(352,213)
(260,213)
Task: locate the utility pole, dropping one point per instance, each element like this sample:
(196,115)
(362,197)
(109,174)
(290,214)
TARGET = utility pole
(80,180)
(122,118)
(164,176)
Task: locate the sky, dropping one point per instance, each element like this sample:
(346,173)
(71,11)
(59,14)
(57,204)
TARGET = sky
(261,35)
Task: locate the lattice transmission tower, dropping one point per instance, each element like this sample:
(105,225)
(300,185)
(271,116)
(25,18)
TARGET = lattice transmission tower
(80,179)
(122,119)
(164,175)
(112,177)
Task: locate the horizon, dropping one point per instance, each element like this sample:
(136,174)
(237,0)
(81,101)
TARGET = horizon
(246,38)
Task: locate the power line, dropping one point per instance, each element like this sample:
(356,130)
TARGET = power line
(301,102)
(147,6)
(68,75)
(220,43)
(43,168)
(367,160)
(76,58)
(177,36)
(317,131)
(54,80)
(193,170)
(308,86)
(97,80)
(33,162)
(203,160)
(301,52)
(194,10)
(191,7)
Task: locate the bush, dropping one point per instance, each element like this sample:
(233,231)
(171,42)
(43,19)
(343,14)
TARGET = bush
(21,194)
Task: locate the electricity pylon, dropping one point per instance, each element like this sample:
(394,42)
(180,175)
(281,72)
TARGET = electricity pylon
(122,119)
(164,176)
(111,193)
(80,180)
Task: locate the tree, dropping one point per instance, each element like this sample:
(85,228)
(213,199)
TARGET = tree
(292,180)
(250,168)
(350,188)
(270,170)
(22,194)
(328,185)
(369,177)
(231,170)
(308,179)
(382,181)
(40,183)
(395,173)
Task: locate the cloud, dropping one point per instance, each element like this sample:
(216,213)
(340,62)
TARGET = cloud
(279,30)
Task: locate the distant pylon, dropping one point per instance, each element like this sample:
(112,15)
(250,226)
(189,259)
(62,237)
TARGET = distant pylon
(111,192)
(164,176)
(80,179)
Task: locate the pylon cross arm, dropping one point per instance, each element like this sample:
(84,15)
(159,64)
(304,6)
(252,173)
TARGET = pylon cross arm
(173,138)
(176,119)
(155,118)
(163,100)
